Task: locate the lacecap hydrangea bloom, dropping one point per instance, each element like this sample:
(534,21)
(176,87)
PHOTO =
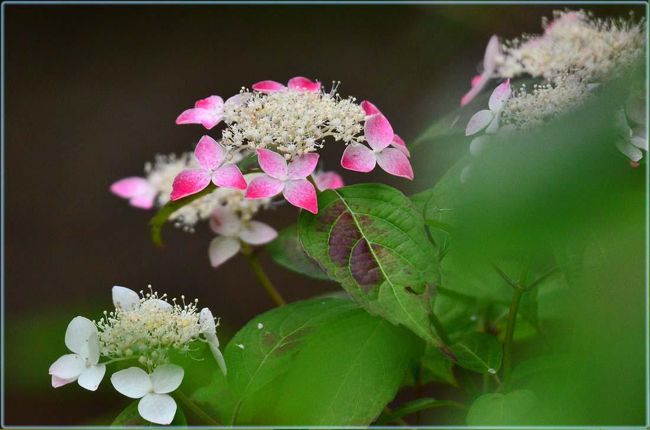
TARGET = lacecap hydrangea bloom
(285,126)
(574,55)
(282,128)
(142,329)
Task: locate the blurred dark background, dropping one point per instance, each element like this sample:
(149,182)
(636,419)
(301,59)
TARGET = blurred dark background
(91,95)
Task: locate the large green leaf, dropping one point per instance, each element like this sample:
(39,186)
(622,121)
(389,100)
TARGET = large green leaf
(130,417)
(372,240)
(479,352)
(502,409)
(287,251)
(317,362)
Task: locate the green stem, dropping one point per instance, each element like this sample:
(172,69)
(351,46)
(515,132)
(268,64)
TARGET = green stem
(510,330)
(195,409)
(264,280)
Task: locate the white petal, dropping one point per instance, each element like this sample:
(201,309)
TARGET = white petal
(213,342)
(630,151)
(91,377)
(225,222)
(222,249)
(478,144)
(60,382)
(257,233)
(125,298)
(640,142)
(157,408)
(132,382)
(500,96)
(77,334)
(206,319)
(492,50)
(478,122)
(90,351)
(493,127)
(158,304)
(167,378)
(68,366)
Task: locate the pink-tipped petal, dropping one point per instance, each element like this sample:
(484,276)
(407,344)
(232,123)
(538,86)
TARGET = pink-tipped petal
(225,222)
(369,108)
(209,153)
(478,122)
(399,143)
(272,163)
(144,201)
(130,187)
(301,193)
(199,116)
(210,103)
(222,249)
(189,182)
(395,162)
(302,166)
(229,176)
(300,83)
(476,80)
(328,181)
(378,132)
(60,382)
(359,158)
(257,233)
(268,87)
(263,186)
(477,86)
(207,112)
(492,51)
(500,96)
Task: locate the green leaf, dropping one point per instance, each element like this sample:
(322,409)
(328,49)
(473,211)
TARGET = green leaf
(287,251)
(162,216)
(437,367)
(312,363)
(130,417)
(514,408)
(478,352)
(414,406)
(372,240)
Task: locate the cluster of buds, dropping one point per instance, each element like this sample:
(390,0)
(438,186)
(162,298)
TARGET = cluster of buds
(572,57)
(143,329)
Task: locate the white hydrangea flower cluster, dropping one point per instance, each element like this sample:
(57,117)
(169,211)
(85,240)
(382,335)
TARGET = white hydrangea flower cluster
(574,55)
(574,42)
(529,108)
(292,123)
(144,329)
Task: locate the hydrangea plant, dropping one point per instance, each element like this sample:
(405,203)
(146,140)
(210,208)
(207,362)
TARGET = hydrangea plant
(419,306)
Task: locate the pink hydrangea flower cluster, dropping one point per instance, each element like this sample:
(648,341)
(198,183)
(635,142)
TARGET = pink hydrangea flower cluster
(298,112)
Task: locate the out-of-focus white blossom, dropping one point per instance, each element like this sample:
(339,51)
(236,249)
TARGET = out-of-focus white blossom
(574,42)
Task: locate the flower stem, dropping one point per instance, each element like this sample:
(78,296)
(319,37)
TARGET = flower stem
(510,330)
(195,409)
(264,280)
